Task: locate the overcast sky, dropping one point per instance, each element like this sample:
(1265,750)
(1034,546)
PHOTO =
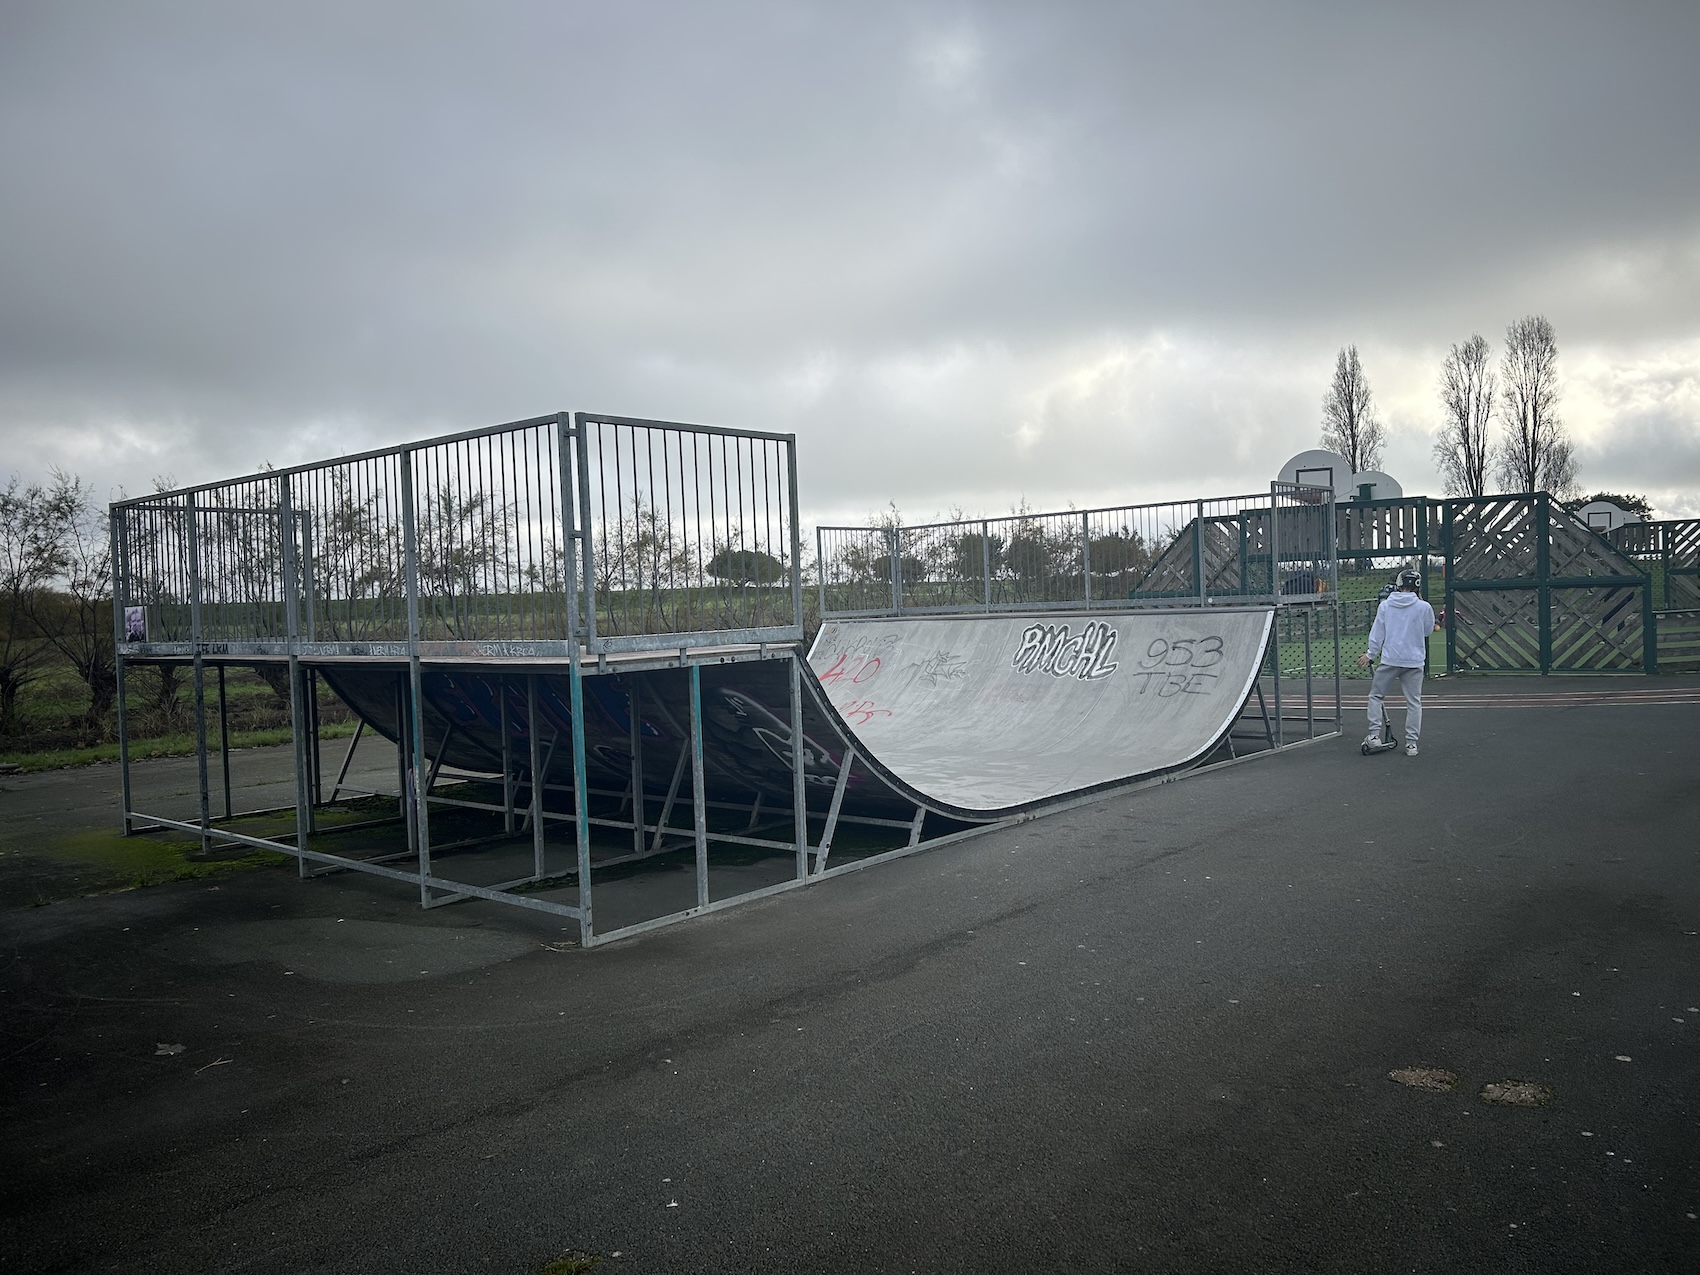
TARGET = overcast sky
(968,253)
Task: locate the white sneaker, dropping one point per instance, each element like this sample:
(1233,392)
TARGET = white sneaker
(1410,750)
(1372,740)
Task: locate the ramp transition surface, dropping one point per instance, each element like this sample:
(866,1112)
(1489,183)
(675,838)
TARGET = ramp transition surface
(974,717)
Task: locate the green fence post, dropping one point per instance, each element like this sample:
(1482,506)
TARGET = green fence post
(1446,511)
(1543,566)
(1649,630)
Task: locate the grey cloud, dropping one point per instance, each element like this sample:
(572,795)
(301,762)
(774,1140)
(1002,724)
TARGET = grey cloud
(247,232)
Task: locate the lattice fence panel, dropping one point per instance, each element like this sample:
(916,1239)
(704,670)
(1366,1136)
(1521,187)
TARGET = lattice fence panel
(1171,574)
(1597,630)
(1679,641)
(1495,539)
(1496,629)
(1575,549)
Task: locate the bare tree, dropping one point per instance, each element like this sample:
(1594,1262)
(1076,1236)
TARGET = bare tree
(1349,425)
(76,617)
(1536,454)
(1467,388)
(29,559)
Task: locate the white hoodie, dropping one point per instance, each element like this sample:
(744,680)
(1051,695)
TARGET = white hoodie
(1400,634)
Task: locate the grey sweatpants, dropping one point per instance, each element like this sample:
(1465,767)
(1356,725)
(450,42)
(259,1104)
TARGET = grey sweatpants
(1410,682)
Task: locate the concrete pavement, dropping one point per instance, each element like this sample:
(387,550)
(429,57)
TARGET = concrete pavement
(1152,1034)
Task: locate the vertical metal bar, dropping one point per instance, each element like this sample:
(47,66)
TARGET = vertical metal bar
(569,520)
(224,740)
(699,794)
(507,754)
(308,582)
(796,529)
(986,559)
(535,739)
(316,773)
(799,762)
(192,514)
(634,712)
(1310,696)
(581,799)
(1339,710)
(415,679)
(1198,553)
(586,550)
(403,751)
(298,725)
(895,546)
(1086,557)
(820,572)
(117,534)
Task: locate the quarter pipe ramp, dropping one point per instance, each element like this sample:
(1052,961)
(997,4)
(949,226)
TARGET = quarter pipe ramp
(973,717)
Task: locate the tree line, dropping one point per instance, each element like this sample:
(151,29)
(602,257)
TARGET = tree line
(1499,422)
(55,592)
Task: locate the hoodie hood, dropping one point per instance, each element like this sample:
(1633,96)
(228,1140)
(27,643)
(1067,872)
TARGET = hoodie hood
(1402,599)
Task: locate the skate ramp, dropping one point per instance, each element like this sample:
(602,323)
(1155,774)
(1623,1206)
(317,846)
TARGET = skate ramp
(990,714)
(973,717)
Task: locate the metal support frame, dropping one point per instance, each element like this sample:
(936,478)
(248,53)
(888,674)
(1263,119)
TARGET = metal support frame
(306,609)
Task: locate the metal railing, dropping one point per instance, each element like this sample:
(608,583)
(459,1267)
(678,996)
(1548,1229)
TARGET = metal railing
(540,537)
(1277,545)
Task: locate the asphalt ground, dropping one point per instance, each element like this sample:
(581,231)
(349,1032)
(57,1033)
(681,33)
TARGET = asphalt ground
(1152,1034)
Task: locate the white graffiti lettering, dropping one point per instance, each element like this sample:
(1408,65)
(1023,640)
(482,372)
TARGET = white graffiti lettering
(1058,650)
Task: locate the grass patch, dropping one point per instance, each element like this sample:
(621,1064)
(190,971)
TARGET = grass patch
(572,1264)
(149,859)
(181,744)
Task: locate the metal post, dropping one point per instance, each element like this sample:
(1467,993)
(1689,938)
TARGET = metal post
(564,436)
(581,797)
(316,773)
(796,534)
(307,591)
(1198,554)
(1339,712)
(586,549)
(120,593)
(1086,555)
(1310,698)
(298,723)
(634,712)
(415,680)
(192,515)
(986,558)
(404,780)
(820,571)
(507,754)
(799,760)
(896,572)
(537,776)
(224,740)
(699,794)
